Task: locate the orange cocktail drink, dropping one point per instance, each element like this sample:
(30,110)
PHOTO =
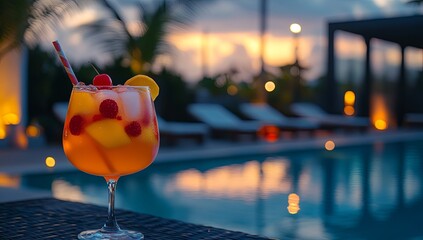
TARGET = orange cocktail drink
(110,131)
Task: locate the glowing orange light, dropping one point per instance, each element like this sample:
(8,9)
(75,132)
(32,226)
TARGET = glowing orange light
(20,138)
(349,110)
(232,90)
(50,162)
(329,145)
(32,131)
(380,112)
(269,133)
(269,86)
(293,203)
(2,133)
(10,119)
(293,198)
(9,181)
(380,124)
(349,98)
(293,209)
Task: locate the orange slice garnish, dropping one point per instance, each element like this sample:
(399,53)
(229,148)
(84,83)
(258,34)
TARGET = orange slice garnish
(143,80)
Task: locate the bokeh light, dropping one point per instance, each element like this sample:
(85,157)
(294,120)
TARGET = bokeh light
(269,86)
(32,131)
(380,124)
(232,90)
(9,180)
(330,145)
(349,98)
(10,119)
(295,28)
(293,203)
(50,162)
(293,198)
(349,110)
(2,133)
(269,133)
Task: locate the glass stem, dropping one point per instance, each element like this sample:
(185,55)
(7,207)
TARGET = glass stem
(111,224)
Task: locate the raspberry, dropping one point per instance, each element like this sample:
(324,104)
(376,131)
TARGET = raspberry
(75,125)
(109,108)
(133,129)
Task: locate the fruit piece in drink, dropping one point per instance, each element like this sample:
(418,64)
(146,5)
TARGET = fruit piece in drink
(143,80)
(109,133)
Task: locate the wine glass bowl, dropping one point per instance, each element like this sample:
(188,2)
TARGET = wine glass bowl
(110,131)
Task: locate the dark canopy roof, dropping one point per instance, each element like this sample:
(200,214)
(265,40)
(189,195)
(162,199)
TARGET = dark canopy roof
(405,31)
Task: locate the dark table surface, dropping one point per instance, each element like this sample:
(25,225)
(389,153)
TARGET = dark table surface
(50,218)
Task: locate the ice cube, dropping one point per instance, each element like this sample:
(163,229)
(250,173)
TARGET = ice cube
(104,94)
(147,109)
(120,88)
(131,104)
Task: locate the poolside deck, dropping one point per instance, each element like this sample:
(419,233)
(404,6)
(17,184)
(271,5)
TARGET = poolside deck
(15,162)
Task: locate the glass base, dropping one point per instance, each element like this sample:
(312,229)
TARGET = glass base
(103,235)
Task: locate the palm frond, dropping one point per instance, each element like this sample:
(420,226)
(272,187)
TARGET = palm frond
(112,33)
(153,38)
(182,12)
(117,17)
(12,16)
(44,15)
(25,22)
(167,16)
(106,34)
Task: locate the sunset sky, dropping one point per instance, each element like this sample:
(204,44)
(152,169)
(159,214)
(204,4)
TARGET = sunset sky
(230,29)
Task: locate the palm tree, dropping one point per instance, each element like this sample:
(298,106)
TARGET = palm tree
(23,22)
(113,35)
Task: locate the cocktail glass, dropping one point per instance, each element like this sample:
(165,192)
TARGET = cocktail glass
(110,131)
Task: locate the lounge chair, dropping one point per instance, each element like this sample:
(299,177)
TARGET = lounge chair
(268,115)
(329,121)
(223,122)
(413,120)
(170,132)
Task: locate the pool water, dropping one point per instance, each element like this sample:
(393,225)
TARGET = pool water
(362,192)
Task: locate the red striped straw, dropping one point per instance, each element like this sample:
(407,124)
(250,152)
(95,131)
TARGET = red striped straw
(65,62)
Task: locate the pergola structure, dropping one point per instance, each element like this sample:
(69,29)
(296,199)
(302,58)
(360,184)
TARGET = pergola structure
(406,31)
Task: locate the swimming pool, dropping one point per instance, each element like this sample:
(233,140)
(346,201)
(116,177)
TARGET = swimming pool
(362,192)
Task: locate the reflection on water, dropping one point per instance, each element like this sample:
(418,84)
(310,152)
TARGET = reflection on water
(239,181)
(9,180)
(366,192)
(293,203)
(66,191)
